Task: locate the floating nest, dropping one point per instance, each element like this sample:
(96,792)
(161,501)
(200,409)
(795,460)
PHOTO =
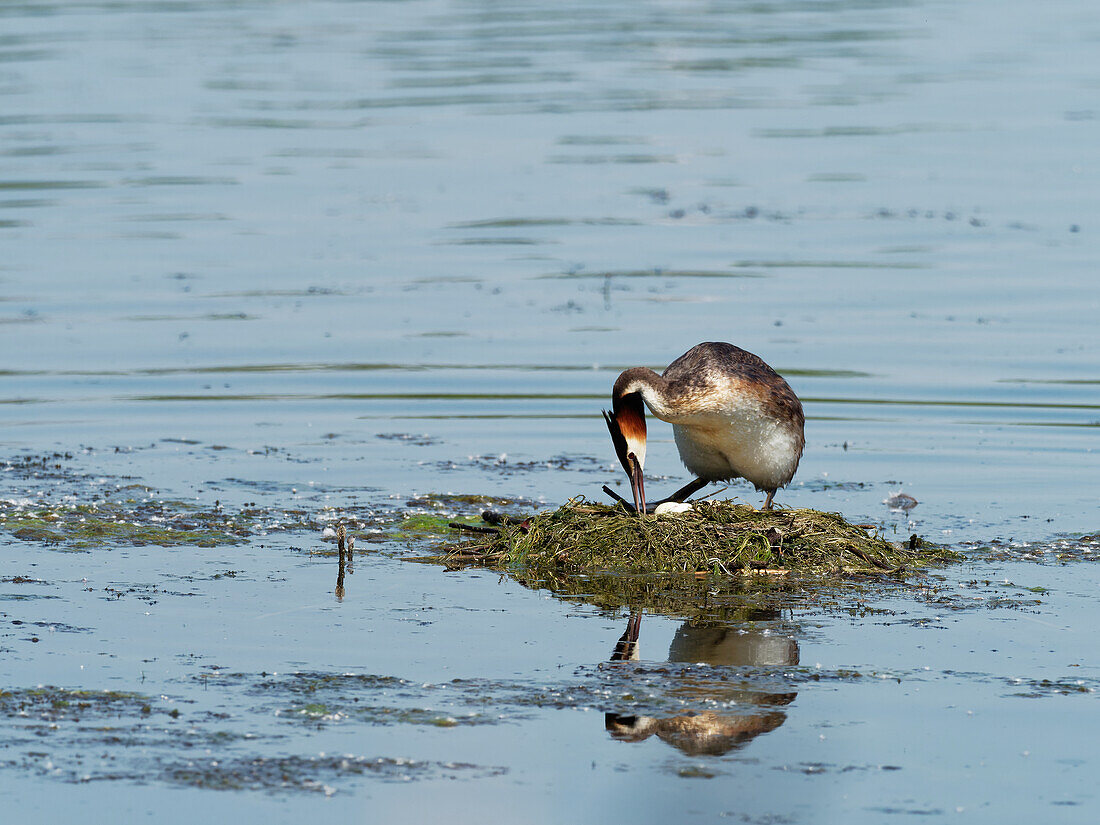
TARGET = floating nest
(712,538)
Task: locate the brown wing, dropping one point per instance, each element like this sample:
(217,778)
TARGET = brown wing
(711,365)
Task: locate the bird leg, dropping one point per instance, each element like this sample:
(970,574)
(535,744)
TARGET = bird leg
(630,507)
(693,486)
(626,649)
(768,501)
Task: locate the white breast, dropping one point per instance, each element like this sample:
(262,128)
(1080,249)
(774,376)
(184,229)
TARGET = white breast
(741,442)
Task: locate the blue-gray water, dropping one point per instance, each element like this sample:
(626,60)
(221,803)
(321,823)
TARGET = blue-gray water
(297,230)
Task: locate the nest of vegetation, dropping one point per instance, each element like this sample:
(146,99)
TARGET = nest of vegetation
(713,537)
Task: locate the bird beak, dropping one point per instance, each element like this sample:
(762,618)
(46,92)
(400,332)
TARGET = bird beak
(628,459)
(636,485)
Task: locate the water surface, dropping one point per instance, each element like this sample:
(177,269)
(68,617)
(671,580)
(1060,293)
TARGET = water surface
(332,256)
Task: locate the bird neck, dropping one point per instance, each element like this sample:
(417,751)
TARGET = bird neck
(643,382)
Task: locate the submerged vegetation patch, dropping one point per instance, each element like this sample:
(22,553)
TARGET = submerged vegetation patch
(719,538)
(312,773)
(80,736)
(58,506)
(1060,550)
(54,705)
(123,521)
(224,738)
(48,502)
(44,500)
(321,698)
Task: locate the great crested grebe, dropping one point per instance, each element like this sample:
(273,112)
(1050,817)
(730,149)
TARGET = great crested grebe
(733,416)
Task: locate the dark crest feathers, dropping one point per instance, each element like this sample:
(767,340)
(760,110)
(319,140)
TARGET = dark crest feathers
(617,439)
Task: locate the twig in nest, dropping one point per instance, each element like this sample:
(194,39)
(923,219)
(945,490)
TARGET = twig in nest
(473,528)
(470,552)
(871,561)
(721,566)
(498,519)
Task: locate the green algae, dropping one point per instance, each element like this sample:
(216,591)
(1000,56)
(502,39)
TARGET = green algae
(422,525)
(314,709)
(430,515)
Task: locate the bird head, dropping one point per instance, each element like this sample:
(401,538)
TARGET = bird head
(626,423)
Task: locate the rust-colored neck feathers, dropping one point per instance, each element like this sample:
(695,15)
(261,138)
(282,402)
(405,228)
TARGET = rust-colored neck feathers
(630,416)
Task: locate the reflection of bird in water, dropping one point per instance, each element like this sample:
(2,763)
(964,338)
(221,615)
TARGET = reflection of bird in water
(696,734)
(723,645)
(900,502)
(707,732)
(732,415)
(626,649)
